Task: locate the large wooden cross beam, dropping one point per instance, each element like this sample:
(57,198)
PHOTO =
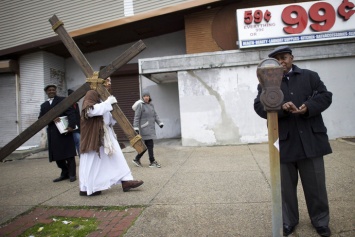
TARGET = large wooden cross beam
(95,81)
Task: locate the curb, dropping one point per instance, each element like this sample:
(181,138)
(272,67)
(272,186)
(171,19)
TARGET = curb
(22,154)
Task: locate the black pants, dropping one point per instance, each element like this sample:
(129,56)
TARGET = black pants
(68,167)
(312,174)
(150,145)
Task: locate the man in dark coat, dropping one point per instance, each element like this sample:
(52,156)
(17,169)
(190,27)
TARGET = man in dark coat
(303,142)
(61,147)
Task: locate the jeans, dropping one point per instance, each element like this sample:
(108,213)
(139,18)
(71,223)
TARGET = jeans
(150,145)
(76,136)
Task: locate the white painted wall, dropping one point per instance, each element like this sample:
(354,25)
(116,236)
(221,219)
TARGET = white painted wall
(165,98)
(338,76)
(217,107)
(217,104)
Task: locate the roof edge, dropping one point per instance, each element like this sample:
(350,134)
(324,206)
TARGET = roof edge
(142,16)
(107,25)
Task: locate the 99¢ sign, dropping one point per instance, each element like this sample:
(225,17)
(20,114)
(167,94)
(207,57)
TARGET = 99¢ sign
(296,23)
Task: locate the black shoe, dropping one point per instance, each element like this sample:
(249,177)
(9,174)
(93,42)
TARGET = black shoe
(137,163)
(61,178)
(323,231)
(83,193)
(288,229)
(72,179)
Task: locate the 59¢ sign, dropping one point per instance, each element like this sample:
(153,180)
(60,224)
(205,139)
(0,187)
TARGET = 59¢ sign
(296,23)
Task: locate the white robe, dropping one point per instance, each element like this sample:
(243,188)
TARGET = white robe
(96,172)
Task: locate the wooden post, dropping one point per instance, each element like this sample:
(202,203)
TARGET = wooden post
(274,157)
(269,73)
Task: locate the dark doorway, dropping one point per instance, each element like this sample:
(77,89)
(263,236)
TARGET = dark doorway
(125,87)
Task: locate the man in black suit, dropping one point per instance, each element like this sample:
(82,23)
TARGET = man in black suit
(61,147)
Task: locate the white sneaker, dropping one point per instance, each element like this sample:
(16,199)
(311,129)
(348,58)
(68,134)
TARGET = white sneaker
(154,164)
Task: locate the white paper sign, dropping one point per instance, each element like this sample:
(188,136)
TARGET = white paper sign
(276,144)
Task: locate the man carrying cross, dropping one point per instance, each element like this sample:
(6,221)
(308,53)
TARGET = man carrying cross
(102,163)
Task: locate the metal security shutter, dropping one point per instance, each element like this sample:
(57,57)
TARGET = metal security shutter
(54,73)
(125,87)
(31,92)
(8,118)
(37,70)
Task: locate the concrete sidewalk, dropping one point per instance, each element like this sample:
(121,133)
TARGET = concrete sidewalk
(199,191)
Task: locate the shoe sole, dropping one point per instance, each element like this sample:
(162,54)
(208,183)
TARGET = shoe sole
(154,166)
(82,193)
(59,180)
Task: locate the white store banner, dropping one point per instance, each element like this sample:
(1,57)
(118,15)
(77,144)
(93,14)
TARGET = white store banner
(296,23)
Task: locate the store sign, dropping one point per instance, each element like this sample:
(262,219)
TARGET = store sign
(296,23)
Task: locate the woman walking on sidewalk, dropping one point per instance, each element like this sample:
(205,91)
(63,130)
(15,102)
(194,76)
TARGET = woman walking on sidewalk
(144,121)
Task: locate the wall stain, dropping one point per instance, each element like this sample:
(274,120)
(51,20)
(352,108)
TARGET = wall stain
(225,131)
(58,77)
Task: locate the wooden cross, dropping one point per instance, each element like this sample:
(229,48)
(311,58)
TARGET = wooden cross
(94,81)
